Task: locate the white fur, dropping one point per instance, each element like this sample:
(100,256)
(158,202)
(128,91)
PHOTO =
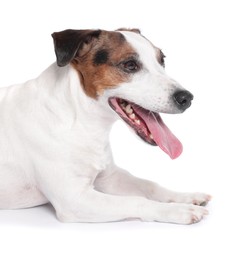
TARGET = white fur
(54,147)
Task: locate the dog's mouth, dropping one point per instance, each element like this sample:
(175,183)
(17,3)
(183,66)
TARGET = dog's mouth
(148,125)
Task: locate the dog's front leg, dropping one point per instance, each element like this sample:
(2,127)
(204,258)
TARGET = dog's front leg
(75,200)
(94,206)
(117,181)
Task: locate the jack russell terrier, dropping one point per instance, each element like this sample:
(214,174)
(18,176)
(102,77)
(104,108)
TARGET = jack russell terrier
(54,134)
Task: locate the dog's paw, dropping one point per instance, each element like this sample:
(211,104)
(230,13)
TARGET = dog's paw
(186,213)
(197,198)
(200,199)
(196,214)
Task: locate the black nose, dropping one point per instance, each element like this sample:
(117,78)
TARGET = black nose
(183,99)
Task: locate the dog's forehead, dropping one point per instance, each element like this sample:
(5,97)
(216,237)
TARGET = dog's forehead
(115,42)
(123,42)
(113,38)
(140,44)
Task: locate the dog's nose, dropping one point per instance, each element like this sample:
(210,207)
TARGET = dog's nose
(183,99)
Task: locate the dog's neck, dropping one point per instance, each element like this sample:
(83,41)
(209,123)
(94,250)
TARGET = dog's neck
(90,115)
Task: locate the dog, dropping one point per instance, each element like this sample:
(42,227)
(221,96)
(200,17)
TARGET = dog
(54,134)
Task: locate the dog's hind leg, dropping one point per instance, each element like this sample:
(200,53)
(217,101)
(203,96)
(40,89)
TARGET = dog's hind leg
(17,189)
(119,182)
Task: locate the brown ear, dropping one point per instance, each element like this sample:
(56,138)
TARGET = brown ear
(68,42)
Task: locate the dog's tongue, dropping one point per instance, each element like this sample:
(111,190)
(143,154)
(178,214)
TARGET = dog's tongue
(162,135)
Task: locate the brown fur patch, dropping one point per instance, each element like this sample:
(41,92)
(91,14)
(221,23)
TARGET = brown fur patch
(105,73)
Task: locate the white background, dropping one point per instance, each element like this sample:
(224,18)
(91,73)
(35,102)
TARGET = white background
(201,42)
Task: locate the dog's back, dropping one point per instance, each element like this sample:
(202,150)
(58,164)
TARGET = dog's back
(28,116)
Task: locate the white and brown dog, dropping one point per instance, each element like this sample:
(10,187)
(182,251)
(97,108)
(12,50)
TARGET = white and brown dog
(54,134)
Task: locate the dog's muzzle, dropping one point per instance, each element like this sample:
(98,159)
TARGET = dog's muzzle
(183,99)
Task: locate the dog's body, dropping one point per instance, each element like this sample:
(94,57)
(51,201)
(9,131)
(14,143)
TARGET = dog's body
(54,134)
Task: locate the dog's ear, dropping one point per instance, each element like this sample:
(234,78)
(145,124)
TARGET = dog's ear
(68,42)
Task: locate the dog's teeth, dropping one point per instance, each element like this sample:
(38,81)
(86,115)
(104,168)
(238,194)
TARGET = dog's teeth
(151,136)
(132,116)
(129,109)
(137,122)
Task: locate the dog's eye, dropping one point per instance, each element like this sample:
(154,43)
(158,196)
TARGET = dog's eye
(130,66)
(162,58)
(162,61)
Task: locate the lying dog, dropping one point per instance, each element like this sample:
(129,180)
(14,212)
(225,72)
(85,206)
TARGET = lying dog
(54,134)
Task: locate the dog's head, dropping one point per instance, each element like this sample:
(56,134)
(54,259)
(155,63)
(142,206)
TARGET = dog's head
(127,70)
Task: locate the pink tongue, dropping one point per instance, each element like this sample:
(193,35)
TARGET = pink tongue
(162,135)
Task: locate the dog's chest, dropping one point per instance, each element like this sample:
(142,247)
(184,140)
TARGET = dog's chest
(98,156)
